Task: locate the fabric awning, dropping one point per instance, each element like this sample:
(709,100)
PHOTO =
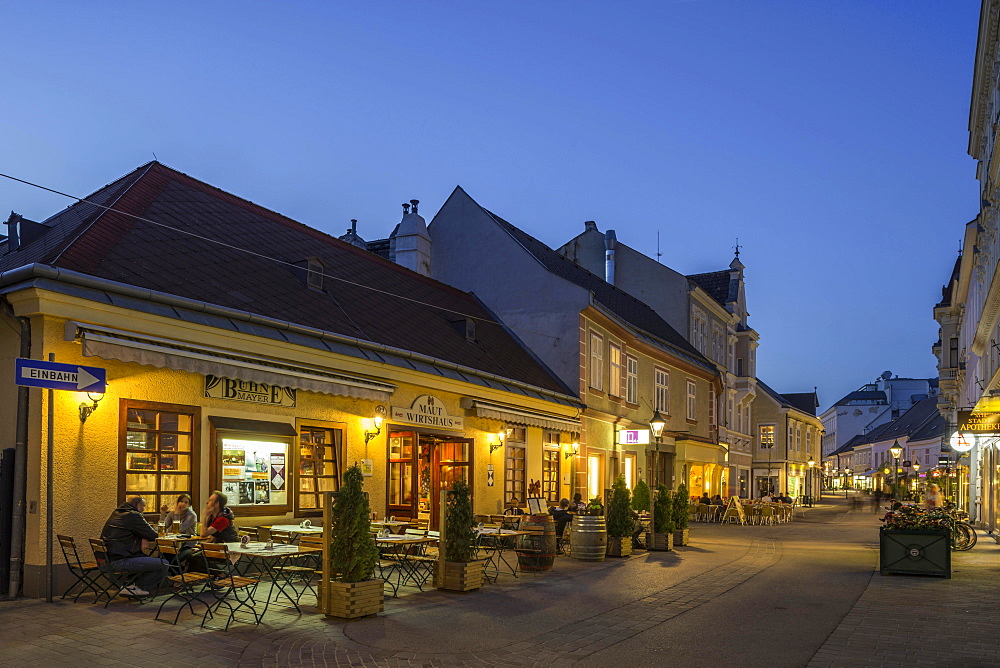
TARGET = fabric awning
(153,351)
(523,416)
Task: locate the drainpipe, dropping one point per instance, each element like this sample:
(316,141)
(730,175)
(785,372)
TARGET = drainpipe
(20,463)
(610,242)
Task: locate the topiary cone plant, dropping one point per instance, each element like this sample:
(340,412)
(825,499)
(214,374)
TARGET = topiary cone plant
(681,514)
(351,590)
(459,571)
(640,497)
(663,519)
(619,519)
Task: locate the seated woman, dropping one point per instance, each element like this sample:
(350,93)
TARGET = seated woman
(562,517)
(186,517)
(717,500)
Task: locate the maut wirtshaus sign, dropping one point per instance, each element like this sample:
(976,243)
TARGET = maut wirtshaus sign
(231,389)
(427,411)
(970,422)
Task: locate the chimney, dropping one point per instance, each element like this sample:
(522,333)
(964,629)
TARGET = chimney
(409,243)
(21,231)
(610,242)
(590,225)
(13,240)
(352,236)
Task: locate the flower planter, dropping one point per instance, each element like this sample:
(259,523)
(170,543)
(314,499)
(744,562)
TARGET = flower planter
(663,542)
(915,552)
(461,577)
(619,547)
(350,600)
(682,537)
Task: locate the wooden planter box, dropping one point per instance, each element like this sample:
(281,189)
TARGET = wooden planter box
(350,600)
(660,541)
(458,576)
(682,536)
(619,547)
(913,552)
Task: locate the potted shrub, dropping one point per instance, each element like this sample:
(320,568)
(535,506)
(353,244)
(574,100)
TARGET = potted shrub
(619,520)
(350,591)
(681,514)
(915,543)
(641,497)
(663,520)
(459,570)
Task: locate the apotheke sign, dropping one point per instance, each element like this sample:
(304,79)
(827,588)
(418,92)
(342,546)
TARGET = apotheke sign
(427,411)
(231,389)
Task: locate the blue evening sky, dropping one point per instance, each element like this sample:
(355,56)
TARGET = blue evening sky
(830,137)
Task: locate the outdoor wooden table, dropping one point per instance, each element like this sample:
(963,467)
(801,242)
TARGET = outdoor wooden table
(498,540)
(403,563)
(294,529)
(270,562)
(392,525)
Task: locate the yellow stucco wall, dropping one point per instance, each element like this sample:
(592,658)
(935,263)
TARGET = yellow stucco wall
(86,461)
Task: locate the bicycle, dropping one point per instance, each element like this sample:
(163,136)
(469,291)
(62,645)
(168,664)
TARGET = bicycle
(963,534)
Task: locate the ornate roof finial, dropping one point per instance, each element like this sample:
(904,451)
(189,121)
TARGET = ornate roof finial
(737,247)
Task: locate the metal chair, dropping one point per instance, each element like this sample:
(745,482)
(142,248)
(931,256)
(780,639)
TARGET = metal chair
(186,586)
(85,572)
(118,579)
(227,583)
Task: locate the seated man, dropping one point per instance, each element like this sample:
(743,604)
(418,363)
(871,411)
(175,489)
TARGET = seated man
(562,517)
(127,534)
(637,531)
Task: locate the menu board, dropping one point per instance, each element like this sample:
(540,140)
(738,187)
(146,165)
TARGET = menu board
(254,473)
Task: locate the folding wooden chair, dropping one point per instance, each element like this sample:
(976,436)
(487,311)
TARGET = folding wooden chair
(185,586)
(86,572)
(117,579)
(228,583)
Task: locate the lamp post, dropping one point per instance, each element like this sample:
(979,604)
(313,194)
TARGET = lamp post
(809,482)
(847,477)
(656,425)
(896,450)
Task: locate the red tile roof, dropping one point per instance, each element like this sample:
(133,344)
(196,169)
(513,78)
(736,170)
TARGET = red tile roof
(207,244)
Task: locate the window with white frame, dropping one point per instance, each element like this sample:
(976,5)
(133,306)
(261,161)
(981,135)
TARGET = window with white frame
(597,361)
(746,418)
(614,370)
(718,344)
(798,438)
(790,438)
(766,436)
(631,379)
(661,390)
(692,400)
(730,422)
(711,408)
(699,330)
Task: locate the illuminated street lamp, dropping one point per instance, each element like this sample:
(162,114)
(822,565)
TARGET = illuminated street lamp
(847,477)
(896,450)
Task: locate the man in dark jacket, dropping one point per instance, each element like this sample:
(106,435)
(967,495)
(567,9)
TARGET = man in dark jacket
(126,534)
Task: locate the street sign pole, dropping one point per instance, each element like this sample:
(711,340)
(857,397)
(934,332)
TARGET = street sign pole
(48,492)
(65,377)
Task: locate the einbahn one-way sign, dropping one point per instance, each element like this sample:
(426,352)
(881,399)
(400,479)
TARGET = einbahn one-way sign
(59,376)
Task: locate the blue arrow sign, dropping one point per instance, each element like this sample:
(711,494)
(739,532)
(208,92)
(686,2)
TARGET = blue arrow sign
(58,376)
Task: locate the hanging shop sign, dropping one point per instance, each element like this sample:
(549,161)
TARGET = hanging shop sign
(427,411)
(633,437)
(971,422)
(232,389)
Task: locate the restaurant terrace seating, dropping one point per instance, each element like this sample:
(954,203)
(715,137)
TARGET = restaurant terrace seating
(85,572)
(186,586)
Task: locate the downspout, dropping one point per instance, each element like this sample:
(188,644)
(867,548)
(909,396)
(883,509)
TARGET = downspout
(20,463)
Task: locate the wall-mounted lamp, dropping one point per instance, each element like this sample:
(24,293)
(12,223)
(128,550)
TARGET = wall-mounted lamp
(376,422)
(86,409)
(498,441)
(574,449)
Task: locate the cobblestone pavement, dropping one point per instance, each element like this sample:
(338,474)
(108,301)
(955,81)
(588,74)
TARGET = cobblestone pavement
(586,614)
(923,621)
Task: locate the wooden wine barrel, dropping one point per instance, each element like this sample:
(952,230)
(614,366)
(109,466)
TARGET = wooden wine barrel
(588,538)
(537,551)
